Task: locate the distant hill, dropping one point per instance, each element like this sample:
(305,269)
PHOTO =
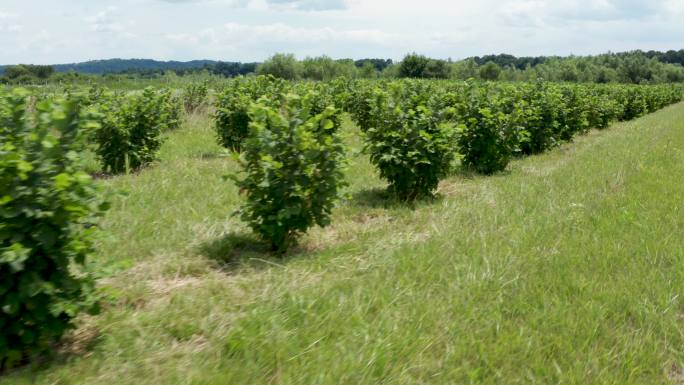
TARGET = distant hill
(120,65)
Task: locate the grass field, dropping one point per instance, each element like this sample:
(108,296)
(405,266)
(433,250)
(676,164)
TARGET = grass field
(568,269)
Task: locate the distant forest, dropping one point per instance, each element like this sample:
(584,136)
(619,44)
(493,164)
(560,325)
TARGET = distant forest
(149,66)
(625,67)
(504,60)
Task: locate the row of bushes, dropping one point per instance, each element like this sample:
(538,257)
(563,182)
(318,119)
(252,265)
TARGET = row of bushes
(413,131)
(291,155)
(501,120)
(485,124)
(131,126)
(48,204)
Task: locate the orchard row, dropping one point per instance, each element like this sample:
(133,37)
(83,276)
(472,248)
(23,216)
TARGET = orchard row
(291,156)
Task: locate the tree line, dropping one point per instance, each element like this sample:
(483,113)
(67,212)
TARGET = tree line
(635,67)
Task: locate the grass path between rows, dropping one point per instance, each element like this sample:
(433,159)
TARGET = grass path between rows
(568,269)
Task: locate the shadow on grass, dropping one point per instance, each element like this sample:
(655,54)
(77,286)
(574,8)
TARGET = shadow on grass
(382,198)
(214,155)
(373,197)
(233,251)
(469,173)
(77,343)
(104,175)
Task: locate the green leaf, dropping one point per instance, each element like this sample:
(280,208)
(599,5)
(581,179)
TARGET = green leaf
(62,181)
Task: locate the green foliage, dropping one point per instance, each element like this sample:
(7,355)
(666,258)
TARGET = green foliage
(601,107)
(26,73)
(636,69)
(464,253)
(487,203)
(342,90)
(131,132)
(418,66)
(501,119)
(232,119)
(47,208)
(413,66)
(368,71)
(635,104)
(573,119)
(280,65)
(539,115)
(171,110)
(325,68)
(195,97)
(488,137)
(232,108)
(490,71)
(437,69)
(324,98)
(360,105)
(626,67)
(292,161)
(407,143)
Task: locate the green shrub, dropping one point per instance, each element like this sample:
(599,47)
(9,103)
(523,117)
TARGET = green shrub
(324,98)
(282,66)
(292,164)
(195,97)
(634,102)
(47,208)
(131,131)
(574,119)
(490,71)
(601,108)
(232,118)
(342,90)
(171,110)
(541,107)
(413,66)
(232,108)
(407,143)
(488,137)
(360,105)
(486,141)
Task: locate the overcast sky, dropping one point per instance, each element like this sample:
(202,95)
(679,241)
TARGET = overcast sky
(64,31)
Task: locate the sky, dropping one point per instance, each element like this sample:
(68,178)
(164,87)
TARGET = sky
(66,31)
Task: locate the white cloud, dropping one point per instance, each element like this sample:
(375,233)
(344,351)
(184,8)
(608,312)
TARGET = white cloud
(105,21)
(233,38)
(675,7)
(234,34)
(251,30)
(232,3)
(310,5)
(9,22)
(282,5)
